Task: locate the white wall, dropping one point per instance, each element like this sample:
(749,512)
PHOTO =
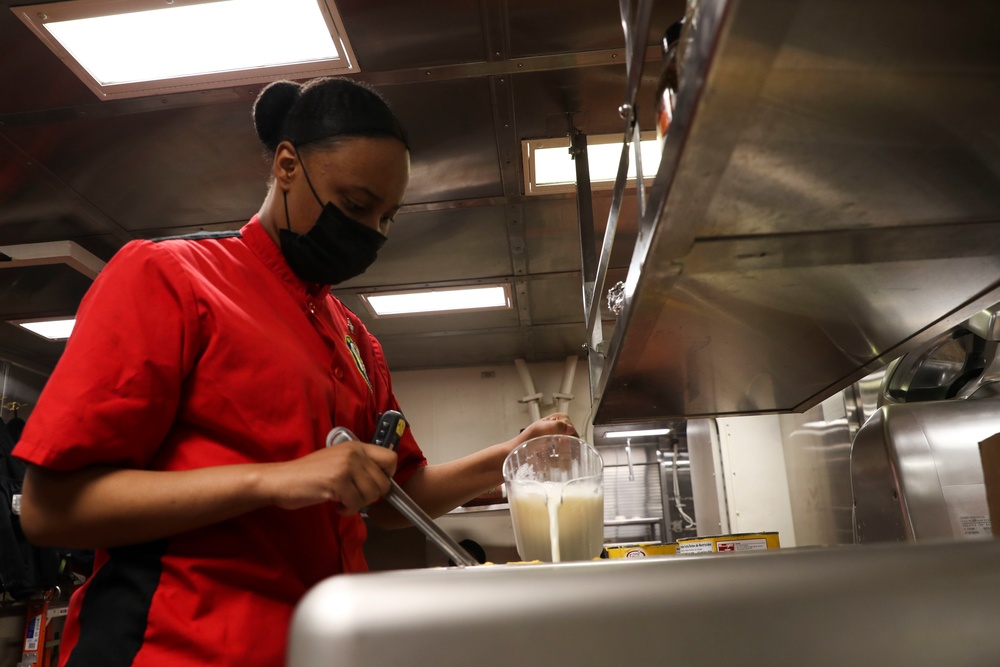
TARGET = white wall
(458,411)
(753,465)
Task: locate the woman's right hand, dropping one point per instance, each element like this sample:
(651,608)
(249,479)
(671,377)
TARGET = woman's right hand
(351,474)
(103,507)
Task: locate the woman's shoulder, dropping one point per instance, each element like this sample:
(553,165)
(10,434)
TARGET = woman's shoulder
(195,253)
(198,245)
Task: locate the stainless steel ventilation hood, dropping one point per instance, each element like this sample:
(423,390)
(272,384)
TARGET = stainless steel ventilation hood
(828,199)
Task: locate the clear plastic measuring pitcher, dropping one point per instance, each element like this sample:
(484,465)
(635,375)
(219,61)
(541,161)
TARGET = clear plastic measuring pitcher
(556,491)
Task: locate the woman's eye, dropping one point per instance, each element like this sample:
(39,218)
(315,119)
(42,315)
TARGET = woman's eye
(354,207)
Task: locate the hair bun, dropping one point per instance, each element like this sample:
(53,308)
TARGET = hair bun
(270,109)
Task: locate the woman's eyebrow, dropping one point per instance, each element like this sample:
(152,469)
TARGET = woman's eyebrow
(368,192)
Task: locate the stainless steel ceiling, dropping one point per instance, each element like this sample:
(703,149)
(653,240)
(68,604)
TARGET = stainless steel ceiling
(469,80)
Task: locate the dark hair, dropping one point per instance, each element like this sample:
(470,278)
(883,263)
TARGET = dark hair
(323,108)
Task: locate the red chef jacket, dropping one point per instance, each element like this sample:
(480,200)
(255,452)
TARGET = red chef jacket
(195,352)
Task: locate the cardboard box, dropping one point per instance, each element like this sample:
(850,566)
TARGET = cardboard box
(641,550)
(989,452)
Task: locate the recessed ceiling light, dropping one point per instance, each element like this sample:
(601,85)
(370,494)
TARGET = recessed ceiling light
(549,167)
(443,300)
(143,47)
(637,434)
(53,329)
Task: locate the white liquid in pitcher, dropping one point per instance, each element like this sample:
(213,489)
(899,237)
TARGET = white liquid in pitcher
(554,522)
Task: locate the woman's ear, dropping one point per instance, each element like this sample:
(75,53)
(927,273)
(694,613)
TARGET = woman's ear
(285,163)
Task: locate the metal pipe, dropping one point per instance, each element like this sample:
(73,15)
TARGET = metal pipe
(532,398)
(565,394)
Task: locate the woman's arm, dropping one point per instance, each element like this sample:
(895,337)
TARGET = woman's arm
(443,487)
(103,507)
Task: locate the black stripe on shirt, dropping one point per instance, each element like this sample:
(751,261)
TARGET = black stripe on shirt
(198,236)
(116,605)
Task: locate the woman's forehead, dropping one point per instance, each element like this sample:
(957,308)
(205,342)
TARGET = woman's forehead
(376,166)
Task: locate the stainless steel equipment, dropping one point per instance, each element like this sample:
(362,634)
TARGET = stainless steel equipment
(919,605)
(827,199)
(916,471)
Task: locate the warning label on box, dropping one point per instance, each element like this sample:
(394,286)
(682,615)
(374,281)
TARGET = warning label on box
(695,547)
(975,526)
(742,545)
(967,509)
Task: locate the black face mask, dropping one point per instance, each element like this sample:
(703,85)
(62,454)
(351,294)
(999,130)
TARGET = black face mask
(336,249)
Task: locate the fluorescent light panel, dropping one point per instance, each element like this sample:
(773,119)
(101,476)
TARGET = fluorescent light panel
(637,434)
(550,168)
(490,297)
(189,44)
(53,329)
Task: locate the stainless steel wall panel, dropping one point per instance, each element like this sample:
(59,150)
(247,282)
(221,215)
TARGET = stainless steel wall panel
(549,304)
(552,232)
(434,246)
(817,458)
(400,34)
(178,167)
(552,235)
(592,95)
(452,140)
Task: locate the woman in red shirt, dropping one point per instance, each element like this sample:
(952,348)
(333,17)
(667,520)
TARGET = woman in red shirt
(182,433)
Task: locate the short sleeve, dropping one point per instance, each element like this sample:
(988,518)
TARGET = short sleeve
(410,457)
(114,393)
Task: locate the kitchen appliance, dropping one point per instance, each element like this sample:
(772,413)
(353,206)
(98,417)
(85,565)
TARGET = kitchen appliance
(917,474)
(916,470)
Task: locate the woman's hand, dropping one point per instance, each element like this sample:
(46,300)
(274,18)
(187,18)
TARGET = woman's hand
(444,486)
(351,474)
(554,424)
(103,507)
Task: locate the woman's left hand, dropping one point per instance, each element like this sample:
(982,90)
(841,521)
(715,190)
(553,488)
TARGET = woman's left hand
(555,424)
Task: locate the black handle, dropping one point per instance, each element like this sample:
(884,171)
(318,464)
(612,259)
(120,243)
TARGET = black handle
(389,429)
